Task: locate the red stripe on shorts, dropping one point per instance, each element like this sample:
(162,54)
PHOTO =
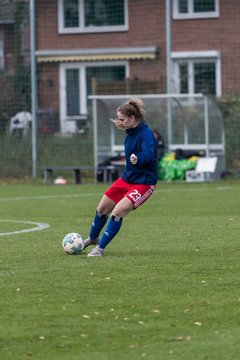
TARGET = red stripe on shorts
(144,197)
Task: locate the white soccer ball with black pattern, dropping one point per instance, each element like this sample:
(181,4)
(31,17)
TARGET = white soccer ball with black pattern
(73,244)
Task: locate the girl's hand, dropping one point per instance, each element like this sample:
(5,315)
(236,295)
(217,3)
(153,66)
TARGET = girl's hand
(133,159)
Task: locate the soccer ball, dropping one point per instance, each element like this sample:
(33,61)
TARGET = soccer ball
(73,244)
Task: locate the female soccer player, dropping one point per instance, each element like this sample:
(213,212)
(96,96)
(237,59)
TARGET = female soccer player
(137,182)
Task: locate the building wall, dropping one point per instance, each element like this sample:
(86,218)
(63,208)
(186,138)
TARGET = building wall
(147,28)
(220,34)
(8,47)
(48,94)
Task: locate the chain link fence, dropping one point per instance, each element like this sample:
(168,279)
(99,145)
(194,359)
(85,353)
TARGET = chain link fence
(64,122)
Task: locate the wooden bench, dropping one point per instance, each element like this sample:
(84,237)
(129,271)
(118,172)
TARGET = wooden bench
(108,172)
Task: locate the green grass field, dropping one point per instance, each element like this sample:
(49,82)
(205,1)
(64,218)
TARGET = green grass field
(166,289)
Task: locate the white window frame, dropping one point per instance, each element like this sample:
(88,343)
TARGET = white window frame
(192,57)
(194,15)
(1,51)
(68,123)
(89,29)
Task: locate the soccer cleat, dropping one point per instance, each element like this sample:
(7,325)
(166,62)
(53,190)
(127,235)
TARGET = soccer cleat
(97,251)
(87,242)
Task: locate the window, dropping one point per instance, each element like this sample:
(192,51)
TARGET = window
(73,79)
(104,13)
(204,77)
(76,85)
(72,93)
(190,9)
(183,78)
(104,73)
(71,13)
(92,15)
(197,73)
(204,6)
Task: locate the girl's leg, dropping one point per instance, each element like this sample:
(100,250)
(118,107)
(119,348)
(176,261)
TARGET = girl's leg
(133,198)
(105,206)
(114,225)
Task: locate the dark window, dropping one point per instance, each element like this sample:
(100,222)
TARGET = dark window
(183,73)
(205,78)
(104,12)
(72,85)
(204,5)
(104,73)
(71,13)
(183,6)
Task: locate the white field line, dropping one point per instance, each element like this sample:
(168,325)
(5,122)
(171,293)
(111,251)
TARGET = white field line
(158,189)
(43,197)
(40,226)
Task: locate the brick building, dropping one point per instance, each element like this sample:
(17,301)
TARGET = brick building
(123,44)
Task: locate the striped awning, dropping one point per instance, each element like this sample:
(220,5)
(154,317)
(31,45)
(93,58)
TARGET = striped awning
(87,55)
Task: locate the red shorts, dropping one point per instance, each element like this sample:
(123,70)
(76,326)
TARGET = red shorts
(136,193)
